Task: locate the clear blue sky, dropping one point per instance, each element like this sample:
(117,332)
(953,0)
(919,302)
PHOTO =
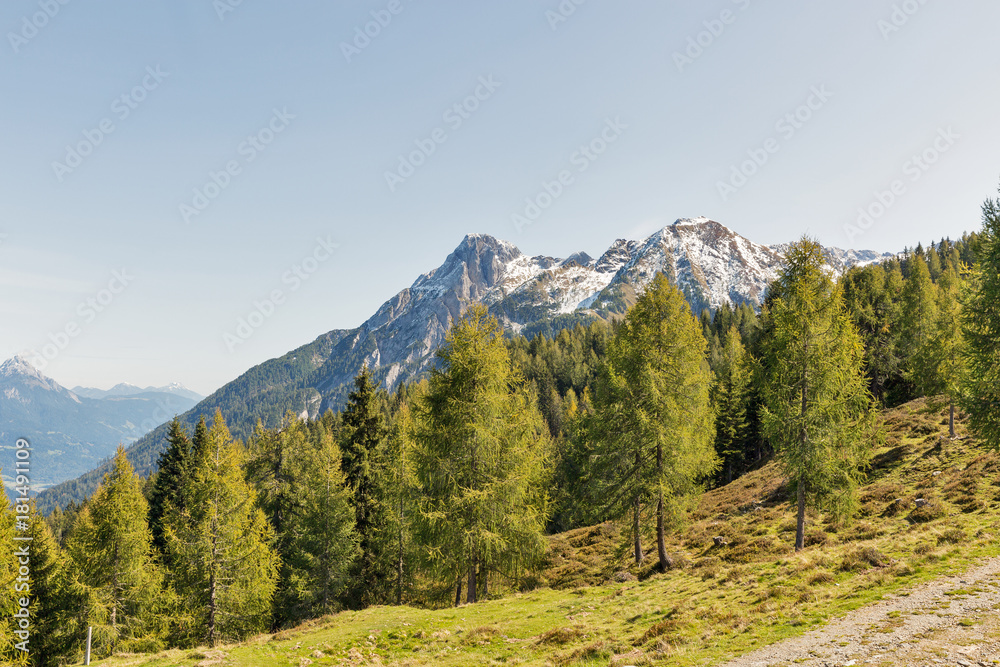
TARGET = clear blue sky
(199,81)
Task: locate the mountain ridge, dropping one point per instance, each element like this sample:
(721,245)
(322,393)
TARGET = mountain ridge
(710,263)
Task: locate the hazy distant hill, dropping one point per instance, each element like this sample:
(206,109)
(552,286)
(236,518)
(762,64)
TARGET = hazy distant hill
(71,434)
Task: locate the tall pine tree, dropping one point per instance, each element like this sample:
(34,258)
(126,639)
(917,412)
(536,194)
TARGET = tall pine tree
(731,400)
(169,478)
(363,449)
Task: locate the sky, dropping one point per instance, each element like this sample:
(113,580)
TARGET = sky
(169,168)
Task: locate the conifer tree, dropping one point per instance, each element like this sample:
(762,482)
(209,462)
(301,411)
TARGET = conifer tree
(112,567)
(817,410)
(52,637)
(917,322)
(398,483)
(947,367)
(363,449)
(218,542)
(731,399)
(981,332)
(480,461)
(322,541)
(8,580)
(653,415)
(168,480)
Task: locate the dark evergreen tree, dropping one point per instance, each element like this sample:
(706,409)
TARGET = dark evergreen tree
(981,331)
(168,480)
(363,442)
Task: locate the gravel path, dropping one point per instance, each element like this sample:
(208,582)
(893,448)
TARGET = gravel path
(949,621)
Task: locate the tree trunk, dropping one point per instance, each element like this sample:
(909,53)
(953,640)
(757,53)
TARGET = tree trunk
(211,609)
(635,532)
(800,524)
(471,594)
(661,547)
(458,592)
(399,572)
(951,420)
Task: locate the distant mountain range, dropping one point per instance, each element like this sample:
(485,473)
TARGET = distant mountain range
(126,389)
(710,263)
(71,433)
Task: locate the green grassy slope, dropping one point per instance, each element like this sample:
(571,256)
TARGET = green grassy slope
(717,602)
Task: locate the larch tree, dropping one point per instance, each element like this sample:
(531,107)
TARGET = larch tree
(817,413)
(321,542)
(52,602)
(218,541)
(981,332)
(480,457)
(8,580)
(653,413)
(112,565)
(947,365)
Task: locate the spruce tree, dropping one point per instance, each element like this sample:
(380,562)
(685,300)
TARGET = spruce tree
(981,332)
(731,400)
(480,453)
(654,415)
(218,542)
(112,566)
(169,478)
(817,412)
(363,449)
